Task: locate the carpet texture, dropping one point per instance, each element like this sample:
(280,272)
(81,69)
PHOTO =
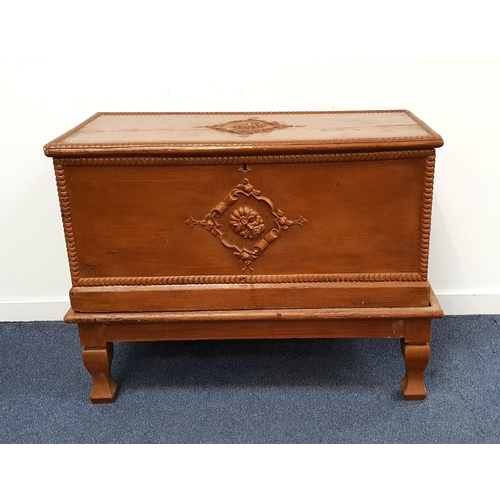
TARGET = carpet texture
(253,391)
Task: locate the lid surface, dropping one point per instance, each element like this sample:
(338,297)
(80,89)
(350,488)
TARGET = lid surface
(246,133)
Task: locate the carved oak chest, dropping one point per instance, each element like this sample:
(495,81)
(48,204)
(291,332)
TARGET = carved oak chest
(248,225)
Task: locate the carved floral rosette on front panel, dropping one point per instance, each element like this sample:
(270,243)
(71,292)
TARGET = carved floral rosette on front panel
(239,221)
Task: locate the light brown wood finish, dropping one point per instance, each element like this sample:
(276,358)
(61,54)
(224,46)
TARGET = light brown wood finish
(433,310)
(411,325)
(248,296)
(416,353)
(248,225)
(98,361)
(416,359)
(184,133)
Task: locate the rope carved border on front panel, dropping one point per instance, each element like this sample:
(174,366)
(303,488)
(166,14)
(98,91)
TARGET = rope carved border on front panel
(193,161)
(62,191)
(247,279)
(425,224)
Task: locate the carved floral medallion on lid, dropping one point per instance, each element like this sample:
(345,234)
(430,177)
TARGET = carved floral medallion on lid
(249,126)
(243,229)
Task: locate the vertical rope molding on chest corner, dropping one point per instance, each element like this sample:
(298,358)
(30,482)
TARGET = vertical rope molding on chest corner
(62,191)
(425,223)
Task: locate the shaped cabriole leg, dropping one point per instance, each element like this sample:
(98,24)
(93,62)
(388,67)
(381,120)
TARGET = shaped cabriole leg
(416,359)
(416,353)
(98,360)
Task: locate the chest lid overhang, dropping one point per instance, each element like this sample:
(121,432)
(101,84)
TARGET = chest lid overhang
(195,134)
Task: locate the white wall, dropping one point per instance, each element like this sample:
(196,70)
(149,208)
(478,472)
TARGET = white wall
(60,62)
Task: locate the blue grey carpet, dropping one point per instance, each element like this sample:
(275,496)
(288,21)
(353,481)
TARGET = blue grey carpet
(266,391)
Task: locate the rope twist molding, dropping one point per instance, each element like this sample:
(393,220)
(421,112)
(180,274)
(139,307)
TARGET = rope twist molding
(239,159)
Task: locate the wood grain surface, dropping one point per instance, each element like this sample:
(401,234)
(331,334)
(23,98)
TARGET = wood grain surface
(186,226)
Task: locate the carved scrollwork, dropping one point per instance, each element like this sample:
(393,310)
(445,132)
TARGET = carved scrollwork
(209,224)
(245,223)
(286,223)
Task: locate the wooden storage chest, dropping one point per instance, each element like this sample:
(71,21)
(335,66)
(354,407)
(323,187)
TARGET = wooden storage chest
(248,225)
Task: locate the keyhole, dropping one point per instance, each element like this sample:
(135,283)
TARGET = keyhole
(244,169)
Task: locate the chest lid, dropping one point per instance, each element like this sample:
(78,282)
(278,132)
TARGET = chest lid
(243,133)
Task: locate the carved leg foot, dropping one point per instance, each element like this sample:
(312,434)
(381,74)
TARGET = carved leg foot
(416,358)
(98,360)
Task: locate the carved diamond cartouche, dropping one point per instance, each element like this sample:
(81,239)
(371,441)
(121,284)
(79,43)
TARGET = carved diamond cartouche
(244,230)
(249,126)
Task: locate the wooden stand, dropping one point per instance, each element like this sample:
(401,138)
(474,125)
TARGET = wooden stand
(411,324)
